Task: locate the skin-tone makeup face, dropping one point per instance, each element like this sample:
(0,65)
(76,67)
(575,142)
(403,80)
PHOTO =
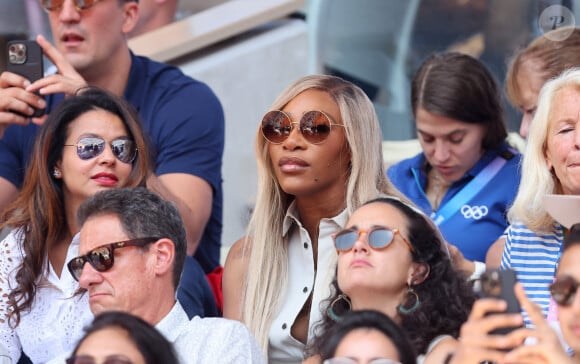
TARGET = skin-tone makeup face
(108,343)
(364,345)
(305,169)
(362,270)
(563,139)
(84,178)
(452,147)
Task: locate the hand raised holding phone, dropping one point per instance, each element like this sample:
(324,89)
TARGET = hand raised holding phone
(25,59)
(16,104)
(494,325)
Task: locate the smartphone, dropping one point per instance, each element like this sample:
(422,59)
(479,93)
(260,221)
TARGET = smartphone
(25,59)
(497,283)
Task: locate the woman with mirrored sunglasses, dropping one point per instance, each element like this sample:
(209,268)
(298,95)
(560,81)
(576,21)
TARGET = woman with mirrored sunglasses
(121,338)
(319,156)
(92,142)
(393,259)
(367,337)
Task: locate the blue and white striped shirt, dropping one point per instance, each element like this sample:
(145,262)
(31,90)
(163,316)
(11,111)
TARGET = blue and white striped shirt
(534,257)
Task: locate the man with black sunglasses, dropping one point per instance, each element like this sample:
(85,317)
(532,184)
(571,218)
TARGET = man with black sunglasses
(133,247)
(182,117)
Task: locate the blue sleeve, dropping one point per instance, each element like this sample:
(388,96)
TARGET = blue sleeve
(190,137)
(15,149)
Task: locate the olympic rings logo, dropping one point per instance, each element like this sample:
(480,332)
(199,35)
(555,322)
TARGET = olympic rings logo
(474,212)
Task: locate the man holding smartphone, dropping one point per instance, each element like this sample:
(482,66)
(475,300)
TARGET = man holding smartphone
(182,117)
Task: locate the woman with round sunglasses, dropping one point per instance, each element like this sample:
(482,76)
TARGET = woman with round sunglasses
(319,156)
(366,337)
(391,258)
(121,338)
(91,142)
(467,175)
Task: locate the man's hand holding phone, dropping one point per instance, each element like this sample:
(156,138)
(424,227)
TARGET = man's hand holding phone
(16,104)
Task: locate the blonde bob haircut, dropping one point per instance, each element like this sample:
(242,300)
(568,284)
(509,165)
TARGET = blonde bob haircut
(268,252)
(537,178)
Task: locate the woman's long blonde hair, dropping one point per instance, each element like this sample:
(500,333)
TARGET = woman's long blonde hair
(537,178)
(268,252)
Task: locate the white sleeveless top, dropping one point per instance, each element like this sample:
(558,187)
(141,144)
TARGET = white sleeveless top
(302,280)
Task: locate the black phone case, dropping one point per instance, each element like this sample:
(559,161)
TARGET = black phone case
(506,280)
(32,68)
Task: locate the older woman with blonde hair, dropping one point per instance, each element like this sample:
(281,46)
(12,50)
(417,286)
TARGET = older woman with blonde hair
(534,241)
(319,158)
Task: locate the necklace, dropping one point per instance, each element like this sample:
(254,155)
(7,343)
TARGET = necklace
(436,188)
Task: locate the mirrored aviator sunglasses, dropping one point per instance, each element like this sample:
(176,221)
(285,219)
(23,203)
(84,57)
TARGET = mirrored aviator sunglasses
(378,238)
(563,290)
(53,5)
(314,125)
(102,258)
(124,149)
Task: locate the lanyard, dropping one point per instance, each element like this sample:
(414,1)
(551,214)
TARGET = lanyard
(469,191)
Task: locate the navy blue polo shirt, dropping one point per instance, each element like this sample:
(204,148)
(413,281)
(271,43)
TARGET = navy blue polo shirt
(183,119)
(484,218)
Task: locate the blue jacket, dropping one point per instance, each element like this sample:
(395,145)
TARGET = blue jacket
(484,218)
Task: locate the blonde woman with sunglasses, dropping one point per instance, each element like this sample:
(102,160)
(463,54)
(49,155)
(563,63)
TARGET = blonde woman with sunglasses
(91,142)
(392,259)
(319,157)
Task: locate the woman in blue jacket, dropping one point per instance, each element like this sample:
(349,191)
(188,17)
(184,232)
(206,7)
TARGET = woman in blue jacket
(467,176)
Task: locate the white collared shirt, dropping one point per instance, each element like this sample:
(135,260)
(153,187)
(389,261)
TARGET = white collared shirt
(303,280)
(209,340)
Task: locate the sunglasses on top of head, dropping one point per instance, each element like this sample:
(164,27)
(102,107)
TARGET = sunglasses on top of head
(102,258)
(314,125)
(52,5)
(563,290)
(124,149)
(378,238)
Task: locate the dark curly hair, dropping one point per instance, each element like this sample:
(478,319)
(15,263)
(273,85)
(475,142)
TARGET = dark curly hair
(446,296)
